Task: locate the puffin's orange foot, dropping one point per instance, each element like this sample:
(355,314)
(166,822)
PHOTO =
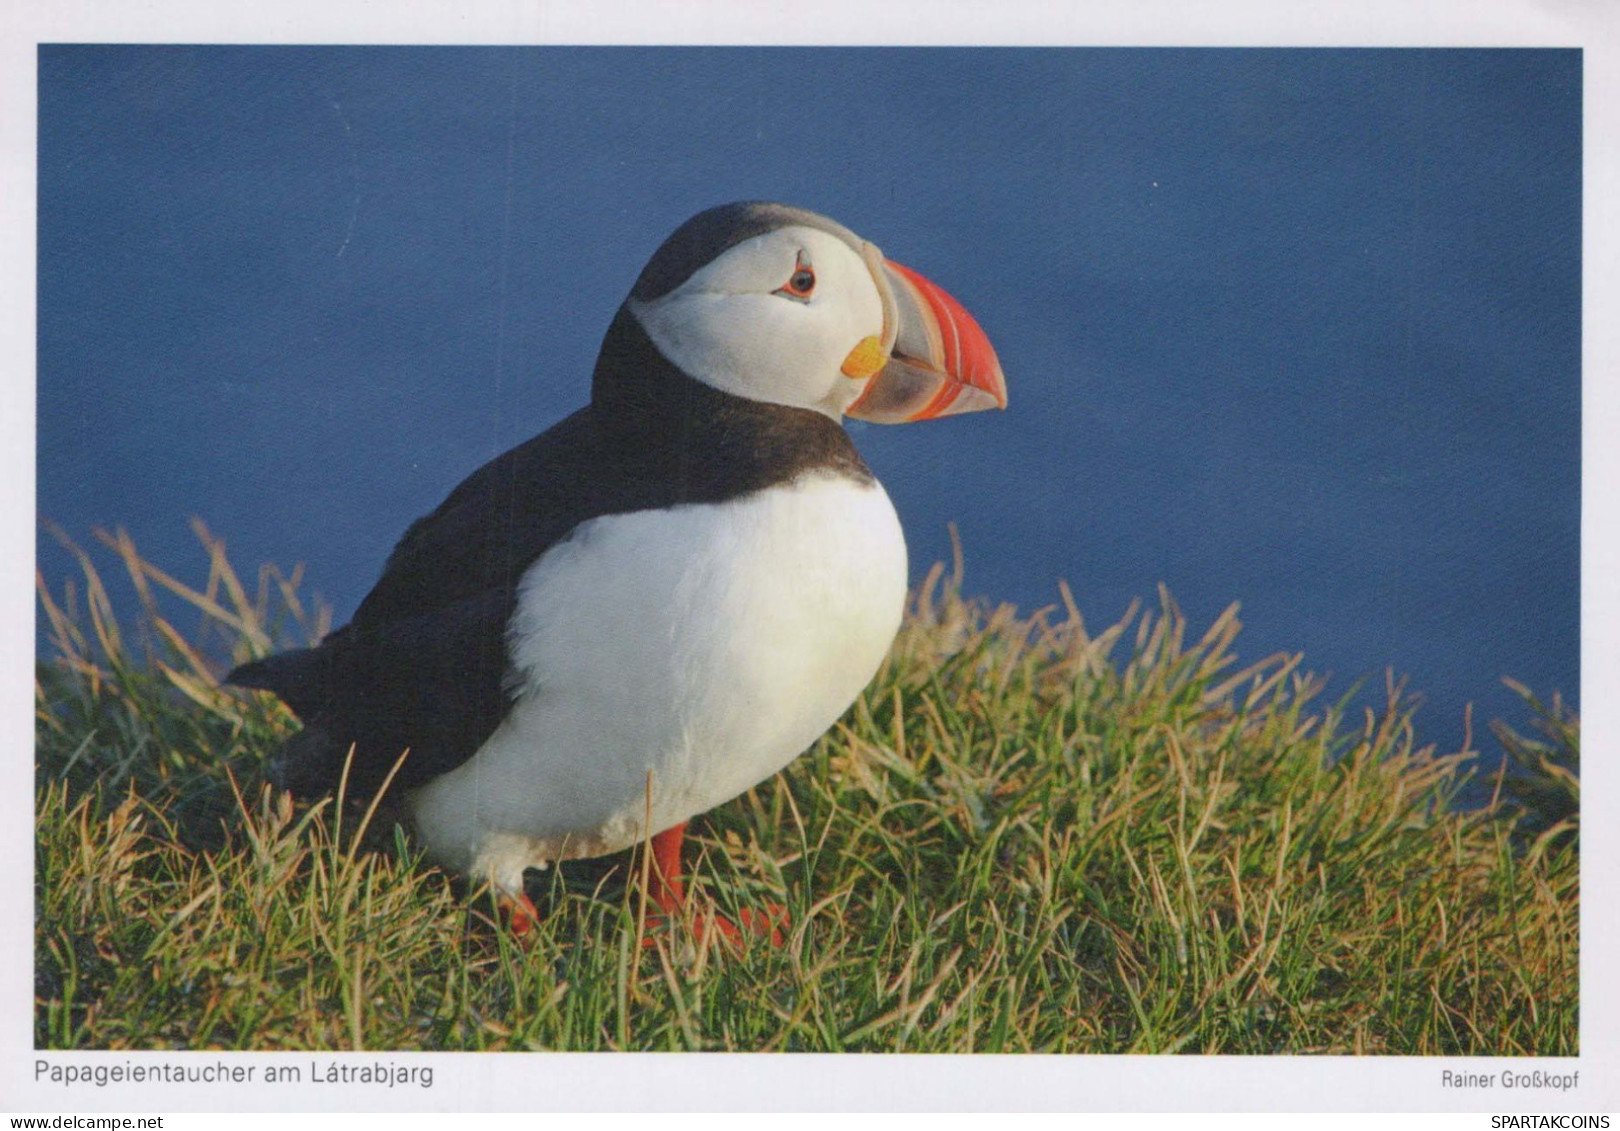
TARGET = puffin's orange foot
(520,913)
(768,924)
(668,897)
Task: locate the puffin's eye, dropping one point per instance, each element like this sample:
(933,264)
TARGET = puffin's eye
(803,280)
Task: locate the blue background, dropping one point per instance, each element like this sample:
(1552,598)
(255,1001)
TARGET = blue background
(1296,328)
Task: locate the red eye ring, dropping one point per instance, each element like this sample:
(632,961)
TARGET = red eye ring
(802,283)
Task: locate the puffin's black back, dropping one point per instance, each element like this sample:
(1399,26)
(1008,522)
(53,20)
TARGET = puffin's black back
(423,664)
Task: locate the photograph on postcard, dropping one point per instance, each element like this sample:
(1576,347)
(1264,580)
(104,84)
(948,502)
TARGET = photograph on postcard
(809,549)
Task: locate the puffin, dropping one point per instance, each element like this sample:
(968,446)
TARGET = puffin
(662,600)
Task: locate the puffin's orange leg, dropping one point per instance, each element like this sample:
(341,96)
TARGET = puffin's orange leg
(668,893)
(520,911)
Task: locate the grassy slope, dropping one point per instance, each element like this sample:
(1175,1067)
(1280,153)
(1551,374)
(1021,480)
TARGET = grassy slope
(1022,837)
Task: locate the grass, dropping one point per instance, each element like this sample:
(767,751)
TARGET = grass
(1025,836)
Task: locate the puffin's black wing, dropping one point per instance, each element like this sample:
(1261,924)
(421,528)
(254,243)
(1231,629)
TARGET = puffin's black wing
(421,666)
(429,684)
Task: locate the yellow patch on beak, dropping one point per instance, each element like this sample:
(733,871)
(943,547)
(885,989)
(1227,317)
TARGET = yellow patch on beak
(865,359)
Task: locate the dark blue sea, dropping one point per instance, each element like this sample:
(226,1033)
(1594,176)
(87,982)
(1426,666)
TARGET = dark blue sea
(1298,329)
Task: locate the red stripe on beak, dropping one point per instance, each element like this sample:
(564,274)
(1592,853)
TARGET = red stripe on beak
(942,363)
(968,355)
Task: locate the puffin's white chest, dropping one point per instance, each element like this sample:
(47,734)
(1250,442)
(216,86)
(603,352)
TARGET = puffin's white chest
(676,658)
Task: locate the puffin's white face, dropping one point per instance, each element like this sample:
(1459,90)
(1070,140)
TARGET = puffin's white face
(780,318)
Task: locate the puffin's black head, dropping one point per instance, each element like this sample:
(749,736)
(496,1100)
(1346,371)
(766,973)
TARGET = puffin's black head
(712,233)
(773,303)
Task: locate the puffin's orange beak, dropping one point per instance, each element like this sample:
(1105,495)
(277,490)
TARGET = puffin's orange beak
(940,363)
